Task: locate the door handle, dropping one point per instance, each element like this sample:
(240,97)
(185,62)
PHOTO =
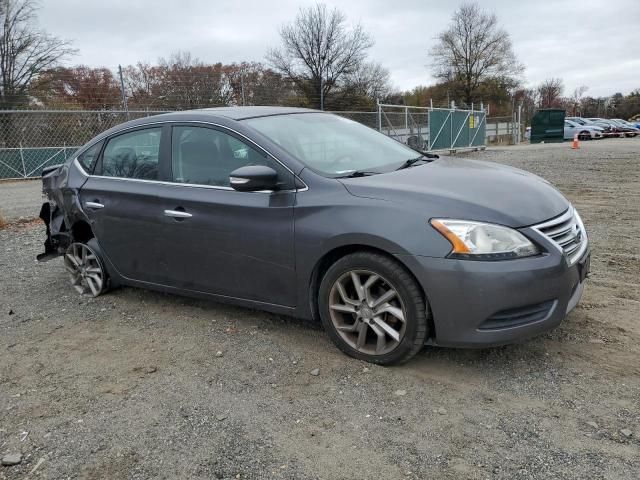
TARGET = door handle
(93,205)
(177,214)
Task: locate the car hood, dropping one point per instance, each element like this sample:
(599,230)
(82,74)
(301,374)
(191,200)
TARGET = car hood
(466,189)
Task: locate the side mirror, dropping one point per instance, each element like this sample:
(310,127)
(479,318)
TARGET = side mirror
(253,178)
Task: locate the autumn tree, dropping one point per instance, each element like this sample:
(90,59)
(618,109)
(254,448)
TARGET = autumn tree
(252,83)
(78,87)
(25,51)
(319,51)
(473,50)
(179,82)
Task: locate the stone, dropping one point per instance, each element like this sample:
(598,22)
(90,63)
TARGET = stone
(11,459)
(626,432)
(400,393)
(315,372)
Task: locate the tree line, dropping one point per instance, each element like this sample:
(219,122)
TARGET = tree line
(322,62)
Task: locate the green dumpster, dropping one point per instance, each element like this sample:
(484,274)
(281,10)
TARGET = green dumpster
(547,125)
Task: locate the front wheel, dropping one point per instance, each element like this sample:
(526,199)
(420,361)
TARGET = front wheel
(584,136)
(373,309)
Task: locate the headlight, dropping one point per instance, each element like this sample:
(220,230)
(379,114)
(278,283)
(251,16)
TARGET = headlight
(484,241)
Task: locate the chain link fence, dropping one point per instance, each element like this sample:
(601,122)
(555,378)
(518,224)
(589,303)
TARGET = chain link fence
(406,124)
(503,131)
(31,140)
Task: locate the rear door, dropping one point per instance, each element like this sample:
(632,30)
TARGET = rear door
(215,239)
(121,201)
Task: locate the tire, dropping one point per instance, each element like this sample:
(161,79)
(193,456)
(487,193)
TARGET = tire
(86,269)
(584,136)
(378,310)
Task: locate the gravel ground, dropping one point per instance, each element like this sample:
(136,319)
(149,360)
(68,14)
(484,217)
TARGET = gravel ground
(20,199)
(137,384)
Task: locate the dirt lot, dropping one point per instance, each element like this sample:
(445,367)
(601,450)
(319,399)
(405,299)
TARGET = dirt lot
(130,385)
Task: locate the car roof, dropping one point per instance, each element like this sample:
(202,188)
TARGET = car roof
(241,113)
(231,114)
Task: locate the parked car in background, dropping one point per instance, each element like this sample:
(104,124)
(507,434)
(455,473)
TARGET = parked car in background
(614,127)
(312,215)
(584,132)
(626,124)
(580,120)
(607,129)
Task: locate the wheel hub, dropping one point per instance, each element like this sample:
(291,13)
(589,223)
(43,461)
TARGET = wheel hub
(366,312)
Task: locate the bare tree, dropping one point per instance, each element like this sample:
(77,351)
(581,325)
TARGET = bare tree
(370,80)
(319,50)
(25,51)
(550,93)
(474,49)
(576,99)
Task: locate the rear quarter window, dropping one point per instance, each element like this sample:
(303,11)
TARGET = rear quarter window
(89,157)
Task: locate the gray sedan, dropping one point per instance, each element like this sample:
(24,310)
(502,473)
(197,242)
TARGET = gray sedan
(308,214)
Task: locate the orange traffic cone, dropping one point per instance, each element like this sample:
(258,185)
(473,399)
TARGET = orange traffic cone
(576,144)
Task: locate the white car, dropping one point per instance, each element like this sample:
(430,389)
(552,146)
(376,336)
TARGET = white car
(585,132)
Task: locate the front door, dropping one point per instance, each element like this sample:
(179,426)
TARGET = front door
(218,240)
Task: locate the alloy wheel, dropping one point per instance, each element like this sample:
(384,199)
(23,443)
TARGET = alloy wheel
(85,269)
(367,312)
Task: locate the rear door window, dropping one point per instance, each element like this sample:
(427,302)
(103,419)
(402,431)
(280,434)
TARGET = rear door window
(133,155)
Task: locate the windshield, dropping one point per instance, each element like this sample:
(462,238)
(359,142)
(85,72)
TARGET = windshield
(332,145)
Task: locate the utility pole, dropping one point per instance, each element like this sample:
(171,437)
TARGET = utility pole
(124,95)
(242,85)
(321,83)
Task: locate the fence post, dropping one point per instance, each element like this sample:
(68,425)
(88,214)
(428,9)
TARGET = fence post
(379,116)
(406,119)
(453,107)
(520,123)
(24,168)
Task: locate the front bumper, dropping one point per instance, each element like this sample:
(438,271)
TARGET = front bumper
(483,304)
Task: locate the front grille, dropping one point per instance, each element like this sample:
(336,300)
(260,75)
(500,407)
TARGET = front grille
(567,232)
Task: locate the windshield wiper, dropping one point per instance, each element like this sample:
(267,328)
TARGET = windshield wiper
(426,157)
(358,173)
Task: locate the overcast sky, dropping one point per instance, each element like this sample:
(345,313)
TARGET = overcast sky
(584,42)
